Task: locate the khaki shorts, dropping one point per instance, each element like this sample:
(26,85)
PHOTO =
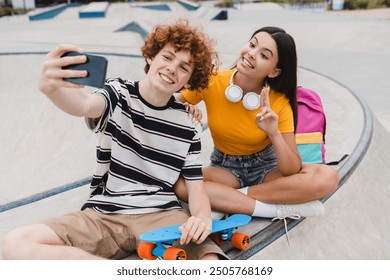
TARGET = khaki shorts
(115,236)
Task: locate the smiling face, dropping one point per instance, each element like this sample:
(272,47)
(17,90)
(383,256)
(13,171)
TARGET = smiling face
(169,70)
(259,58)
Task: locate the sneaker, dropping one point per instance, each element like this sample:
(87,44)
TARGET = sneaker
(296,211)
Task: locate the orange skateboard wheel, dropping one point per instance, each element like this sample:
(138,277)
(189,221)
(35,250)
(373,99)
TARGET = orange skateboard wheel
(145,250)
(240,241)
(172,253)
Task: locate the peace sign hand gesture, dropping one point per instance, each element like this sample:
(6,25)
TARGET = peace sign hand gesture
(266,119)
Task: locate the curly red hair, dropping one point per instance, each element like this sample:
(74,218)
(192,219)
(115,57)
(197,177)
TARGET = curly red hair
(184,37)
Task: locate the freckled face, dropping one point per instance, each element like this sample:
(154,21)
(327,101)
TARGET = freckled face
(170,70)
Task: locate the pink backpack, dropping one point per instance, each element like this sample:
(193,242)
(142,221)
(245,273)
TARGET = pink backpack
(311,126)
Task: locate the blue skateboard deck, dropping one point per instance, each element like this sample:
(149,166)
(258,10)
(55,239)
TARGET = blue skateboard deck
(155,243)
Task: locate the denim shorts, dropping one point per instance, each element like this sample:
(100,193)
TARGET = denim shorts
(249,169)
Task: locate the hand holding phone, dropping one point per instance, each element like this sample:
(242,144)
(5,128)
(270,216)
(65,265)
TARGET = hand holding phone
(96,67)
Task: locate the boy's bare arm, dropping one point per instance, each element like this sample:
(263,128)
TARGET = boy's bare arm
(69,97)
(198,226)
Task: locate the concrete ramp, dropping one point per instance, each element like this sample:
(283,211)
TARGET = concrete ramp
(154,6)
(43,147)
(94,10)
(48,156)
(37,136)
(210,13)
(354,226)
(189,5)
(140,27)
(263,231)
(46,13)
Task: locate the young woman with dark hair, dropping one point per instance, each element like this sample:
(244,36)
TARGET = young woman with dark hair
(256,168)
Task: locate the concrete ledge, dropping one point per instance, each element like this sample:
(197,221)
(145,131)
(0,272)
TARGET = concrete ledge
(222,15)
(211,13)
(94,10)
(312,7)
(354,159)
(157,7)
(191,6)
(48,13)
(139,27)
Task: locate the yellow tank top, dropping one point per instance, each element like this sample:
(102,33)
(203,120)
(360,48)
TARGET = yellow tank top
(233,127)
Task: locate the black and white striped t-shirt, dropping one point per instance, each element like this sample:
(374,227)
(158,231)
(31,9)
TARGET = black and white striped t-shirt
(141,151)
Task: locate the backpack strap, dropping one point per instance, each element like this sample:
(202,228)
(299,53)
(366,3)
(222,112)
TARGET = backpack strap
(336,162)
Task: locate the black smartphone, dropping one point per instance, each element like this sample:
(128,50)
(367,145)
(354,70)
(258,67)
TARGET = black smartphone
(96,67)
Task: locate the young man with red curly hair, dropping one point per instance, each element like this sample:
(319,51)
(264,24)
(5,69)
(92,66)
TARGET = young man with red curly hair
(145,141)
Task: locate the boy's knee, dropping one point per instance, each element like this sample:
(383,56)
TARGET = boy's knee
(10,244)
(21,242)
(213,257)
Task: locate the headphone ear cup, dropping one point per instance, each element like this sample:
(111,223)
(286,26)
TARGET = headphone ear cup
(233,93)
(251,101)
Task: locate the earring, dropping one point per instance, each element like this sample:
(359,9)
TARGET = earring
(234,93)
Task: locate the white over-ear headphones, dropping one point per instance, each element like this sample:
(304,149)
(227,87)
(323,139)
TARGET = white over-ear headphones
(233,93)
